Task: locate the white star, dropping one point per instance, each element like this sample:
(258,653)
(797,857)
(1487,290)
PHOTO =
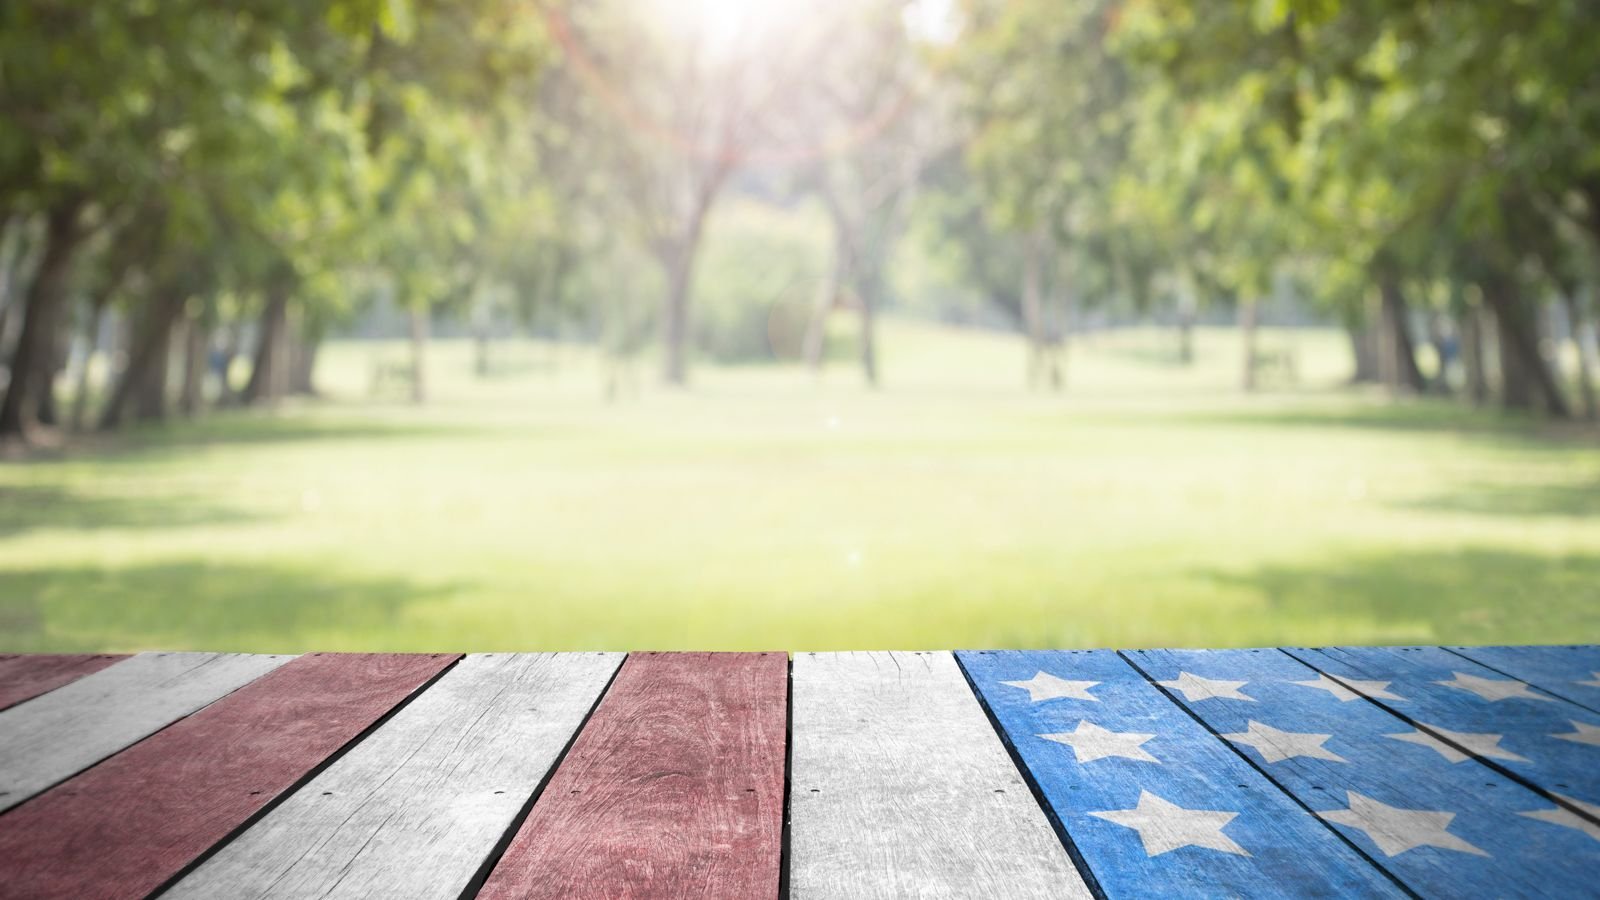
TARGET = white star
(1594,683)
(1585,734)
(1196,688)
(1373,689)
(1045,686)
(1484,745)
(1492,688)
(1395,830)
(1091,742)
(1277,746)
(1164,826)
(1566,818)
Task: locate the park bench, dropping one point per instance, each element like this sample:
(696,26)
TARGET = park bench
(391,376)
(1428,771)
(1277,365)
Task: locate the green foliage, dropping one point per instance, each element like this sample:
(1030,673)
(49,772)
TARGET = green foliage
(267,140)
(1233,143)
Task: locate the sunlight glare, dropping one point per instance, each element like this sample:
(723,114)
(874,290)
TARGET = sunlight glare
(722,26)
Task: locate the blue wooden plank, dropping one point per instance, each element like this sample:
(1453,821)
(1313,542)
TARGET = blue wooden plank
(1152,803)
(1571,672)
(1461,709)
(1442,829)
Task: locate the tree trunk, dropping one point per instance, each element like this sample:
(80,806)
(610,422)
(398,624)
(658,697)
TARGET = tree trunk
(1398,346)
(816,339)
(1186,334)
(675,324)
(1472,355)
(680,260)
(91,342)
(871,288)
(142,386)
(1364,349)
(1575,327)
(196,347)
(480,351)
(41,313)
(1062,338)
(1033,305)
(1516,382)
(50,373)
(267,376)
(419,348)
(14,259)
(1526,378)
(150,397)
(1247,327)
(230,351)
(303,365)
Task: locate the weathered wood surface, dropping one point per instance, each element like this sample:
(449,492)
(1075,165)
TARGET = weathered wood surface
(23,677)
(1442,829)
(128,825)
(1463,709)
(1154,803)
(1432,772)
(55,736)
(900,788)
(1571,672)
(674,788)
(417,808)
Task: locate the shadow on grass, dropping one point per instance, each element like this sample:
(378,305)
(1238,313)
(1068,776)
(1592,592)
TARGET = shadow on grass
(203,606)
(1471,596)
(1570,499)
(242,427)
(1418,415)
(33,507)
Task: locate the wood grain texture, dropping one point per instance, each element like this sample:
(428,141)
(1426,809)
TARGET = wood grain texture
(900,788)
(1335,744)
(58,735)
(1570,671)
(415,809)
(674,788)
(1522,731)
(1233,833)
(126,826)
(25,676)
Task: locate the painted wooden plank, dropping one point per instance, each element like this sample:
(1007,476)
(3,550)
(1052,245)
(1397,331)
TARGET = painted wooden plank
(674,788)
(1444,830)
(128,825)
(417,807)
(60,734)
(1154,803)
(1571,671)
(899,787)
(25,676)
(1462,709)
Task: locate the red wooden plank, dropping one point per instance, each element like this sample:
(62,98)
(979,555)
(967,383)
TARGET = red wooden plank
(126,826)
(673,789)
(25,676)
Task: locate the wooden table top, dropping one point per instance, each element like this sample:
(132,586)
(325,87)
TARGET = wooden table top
(1345,771)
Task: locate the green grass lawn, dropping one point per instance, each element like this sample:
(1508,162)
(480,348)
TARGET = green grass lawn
(1149,504)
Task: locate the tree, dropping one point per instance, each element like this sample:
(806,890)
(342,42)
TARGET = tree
(869,122)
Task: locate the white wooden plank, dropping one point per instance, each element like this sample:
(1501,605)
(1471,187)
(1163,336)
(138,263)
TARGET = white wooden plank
(55,736)
(415,809)
(901,788)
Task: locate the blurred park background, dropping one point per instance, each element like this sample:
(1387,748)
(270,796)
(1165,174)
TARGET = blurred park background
(630,324)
